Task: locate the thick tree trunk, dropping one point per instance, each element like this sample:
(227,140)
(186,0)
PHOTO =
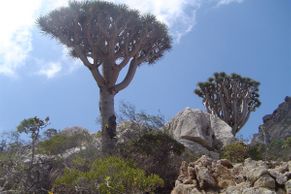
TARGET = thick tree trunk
(108,119)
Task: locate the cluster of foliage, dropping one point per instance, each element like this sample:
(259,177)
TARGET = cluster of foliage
(19,174)
(158,153)
(148,147)
(22,170)
(107,176)
(147,163)
(231,97)
(11,165)
(235,152)
(276,150)
(61,142)
(32,126)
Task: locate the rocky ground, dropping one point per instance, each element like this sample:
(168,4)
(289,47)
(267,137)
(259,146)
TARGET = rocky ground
(209,176)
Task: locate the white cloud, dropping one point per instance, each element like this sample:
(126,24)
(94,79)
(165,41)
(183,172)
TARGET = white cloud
(226,2)
(18,18)
(60,66)
(50,70)
(179,15)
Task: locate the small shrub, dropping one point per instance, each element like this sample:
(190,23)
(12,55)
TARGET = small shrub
(158,153)
(277,143)
(60,142)
(109,175)
(235,152)
(287,143)
(257,152)
(278,149)
(98,134)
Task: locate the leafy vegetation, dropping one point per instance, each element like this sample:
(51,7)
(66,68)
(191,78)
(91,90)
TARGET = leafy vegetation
(107,176)
(32,126)
(155,152)
(61,142)
(147,159)
(276,150)
(147,146)
(235,152)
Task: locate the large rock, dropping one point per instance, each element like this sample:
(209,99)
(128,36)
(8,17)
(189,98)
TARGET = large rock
(198,149)
(276,125)
(246,189)
(265,181)
(193,125)
(222,131)
(207,175)
(199,130)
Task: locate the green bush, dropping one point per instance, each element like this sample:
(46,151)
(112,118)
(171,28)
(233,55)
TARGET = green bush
(256,152)
(287,143)
(235,152)
(59,143)
(158,153)
(109,175)
(278,149)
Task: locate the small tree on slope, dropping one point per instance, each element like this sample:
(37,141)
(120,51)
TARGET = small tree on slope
(231,97)
(108,38)
(32,126)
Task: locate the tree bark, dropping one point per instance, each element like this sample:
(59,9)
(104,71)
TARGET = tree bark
(108,120)
(32,151)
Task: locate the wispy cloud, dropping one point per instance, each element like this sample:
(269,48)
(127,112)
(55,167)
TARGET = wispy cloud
(18,24)
(50,70)
(59,66)
(226,2)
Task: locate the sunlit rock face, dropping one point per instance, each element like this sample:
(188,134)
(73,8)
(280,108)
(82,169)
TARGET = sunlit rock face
(276,125)
(207,175)
(199,131)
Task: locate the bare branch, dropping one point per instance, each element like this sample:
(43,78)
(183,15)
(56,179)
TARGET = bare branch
(129,76)
(94,70)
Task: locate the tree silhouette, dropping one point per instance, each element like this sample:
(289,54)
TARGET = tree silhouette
(108,38)
(231,97)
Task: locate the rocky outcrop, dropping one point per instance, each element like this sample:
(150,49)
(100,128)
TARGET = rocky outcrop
(199,131)
(276,125)
(208,176)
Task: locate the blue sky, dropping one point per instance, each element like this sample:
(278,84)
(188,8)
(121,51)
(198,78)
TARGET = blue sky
(248,37)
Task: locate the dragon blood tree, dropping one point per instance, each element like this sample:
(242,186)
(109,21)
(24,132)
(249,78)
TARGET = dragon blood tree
(108,38)
(230,97)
